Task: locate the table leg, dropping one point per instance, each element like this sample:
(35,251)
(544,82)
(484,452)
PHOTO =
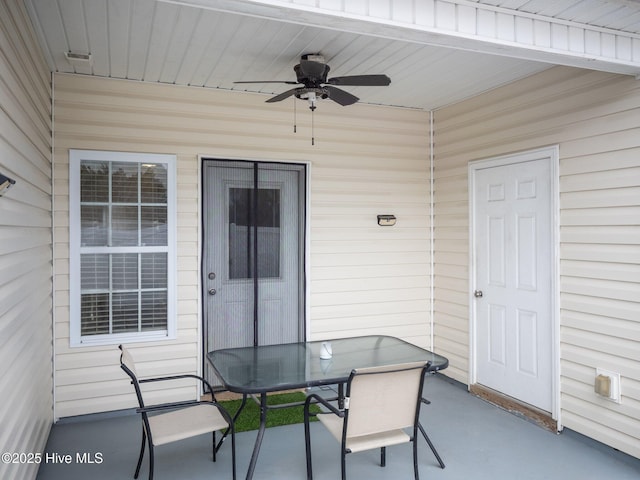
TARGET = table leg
(235,417)
(263,424)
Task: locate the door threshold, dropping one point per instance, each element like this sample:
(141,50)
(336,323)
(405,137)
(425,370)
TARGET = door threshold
(535,415)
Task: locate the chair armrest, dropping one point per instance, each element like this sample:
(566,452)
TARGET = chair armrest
(168,406)
(318,399)
(207,385)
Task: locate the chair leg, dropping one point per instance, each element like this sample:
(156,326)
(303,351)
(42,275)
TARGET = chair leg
(343,464)
(150,460)
(383,456)
(415,457)
(214,446)
(307,443)
(431,445)
(144,441)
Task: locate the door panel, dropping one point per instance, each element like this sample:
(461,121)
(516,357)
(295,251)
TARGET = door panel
(513,258)
(253,285)
(497,338)
(526,253)
(527,348)
(496,251)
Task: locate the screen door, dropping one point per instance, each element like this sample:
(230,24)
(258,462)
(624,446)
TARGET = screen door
(253,254)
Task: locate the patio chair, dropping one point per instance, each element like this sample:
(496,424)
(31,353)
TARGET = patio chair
(380,403)
(170,422)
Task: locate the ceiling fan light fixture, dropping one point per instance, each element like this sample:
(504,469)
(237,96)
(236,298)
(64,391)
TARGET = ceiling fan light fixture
(311,97)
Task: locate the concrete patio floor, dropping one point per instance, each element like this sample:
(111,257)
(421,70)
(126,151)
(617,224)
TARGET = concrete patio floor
(476,441)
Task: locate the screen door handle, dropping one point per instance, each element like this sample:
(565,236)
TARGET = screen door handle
(478,294)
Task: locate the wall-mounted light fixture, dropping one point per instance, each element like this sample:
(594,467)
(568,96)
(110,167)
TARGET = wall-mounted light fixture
(5,183)
(386,220)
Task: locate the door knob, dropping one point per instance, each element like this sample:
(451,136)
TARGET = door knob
(477,294)
(212,291)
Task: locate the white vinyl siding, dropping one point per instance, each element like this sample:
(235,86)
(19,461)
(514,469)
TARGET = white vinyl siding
(366,161)
(25,243)
(593,117)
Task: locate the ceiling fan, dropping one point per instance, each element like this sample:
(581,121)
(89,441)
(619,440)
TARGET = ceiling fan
(312,73)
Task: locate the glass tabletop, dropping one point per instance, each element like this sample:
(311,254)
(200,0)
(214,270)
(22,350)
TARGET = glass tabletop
(270,368)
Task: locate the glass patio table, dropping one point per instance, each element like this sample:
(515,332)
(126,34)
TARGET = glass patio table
(271,368)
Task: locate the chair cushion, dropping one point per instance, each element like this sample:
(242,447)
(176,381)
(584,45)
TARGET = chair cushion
(363,442)
(185,423)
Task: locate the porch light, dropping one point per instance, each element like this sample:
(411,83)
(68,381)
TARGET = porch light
(5,183)
(386,220)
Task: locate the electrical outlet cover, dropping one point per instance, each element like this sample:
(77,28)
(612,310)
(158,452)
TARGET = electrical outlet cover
(615,384)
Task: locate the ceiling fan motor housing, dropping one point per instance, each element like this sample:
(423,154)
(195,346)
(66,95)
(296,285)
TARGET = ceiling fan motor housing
(311,74)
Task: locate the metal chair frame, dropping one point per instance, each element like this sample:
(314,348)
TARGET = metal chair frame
(344,414)
(147,437)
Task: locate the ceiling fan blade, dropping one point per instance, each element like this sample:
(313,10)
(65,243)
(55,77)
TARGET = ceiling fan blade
(340,96)
(361,80)
(282,96)
(269,81)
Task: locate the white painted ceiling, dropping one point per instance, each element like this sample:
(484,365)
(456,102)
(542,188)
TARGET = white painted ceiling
(204,46)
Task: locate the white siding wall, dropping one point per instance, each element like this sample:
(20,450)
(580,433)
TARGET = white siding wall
(366,161)
(25,242)
(595,119)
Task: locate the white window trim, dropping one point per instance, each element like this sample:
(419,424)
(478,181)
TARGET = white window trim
(76,339)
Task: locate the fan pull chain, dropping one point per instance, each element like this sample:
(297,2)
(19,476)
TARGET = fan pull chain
(313,138)
(295,128)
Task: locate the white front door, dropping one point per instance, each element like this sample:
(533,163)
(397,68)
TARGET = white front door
(253,254)
(513,252)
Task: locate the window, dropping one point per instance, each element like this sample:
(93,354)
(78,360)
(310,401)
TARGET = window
(122,246)
(242,231)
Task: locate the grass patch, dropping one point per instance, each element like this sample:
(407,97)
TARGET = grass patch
(249,418)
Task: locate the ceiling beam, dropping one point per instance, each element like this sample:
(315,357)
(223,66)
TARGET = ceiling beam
(458,24)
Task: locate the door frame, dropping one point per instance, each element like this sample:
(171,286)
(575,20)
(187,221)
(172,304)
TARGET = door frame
(307,243)
(552,154)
